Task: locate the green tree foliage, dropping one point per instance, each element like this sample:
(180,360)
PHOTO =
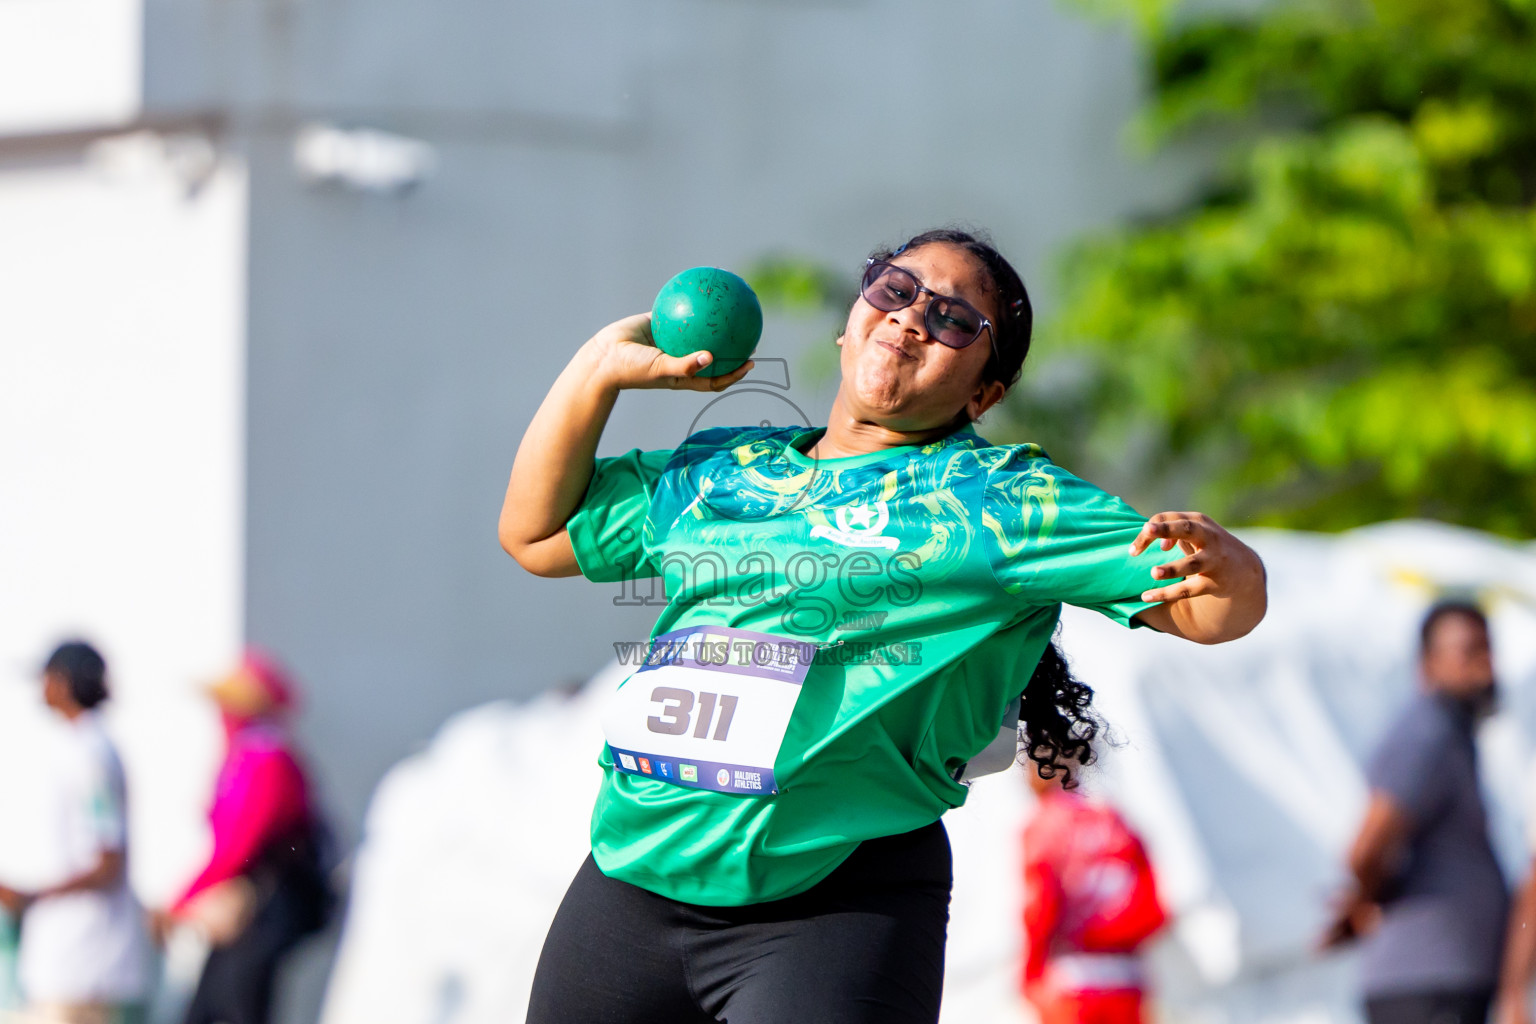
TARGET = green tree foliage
(797,285)
(1341,327)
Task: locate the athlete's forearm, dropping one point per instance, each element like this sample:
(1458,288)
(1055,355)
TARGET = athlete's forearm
(555,458)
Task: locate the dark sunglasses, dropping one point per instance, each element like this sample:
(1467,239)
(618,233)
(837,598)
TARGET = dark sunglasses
(948,320)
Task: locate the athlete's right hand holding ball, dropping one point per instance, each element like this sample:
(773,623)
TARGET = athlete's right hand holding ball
(555,459)
(624,356)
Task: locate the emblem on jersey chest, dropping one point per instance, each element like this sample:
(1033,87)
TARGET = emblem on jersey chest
(858,526)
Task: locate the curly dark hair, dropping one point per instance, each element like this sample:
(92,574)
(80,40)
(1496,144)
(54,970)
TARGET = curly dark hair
(1057,724)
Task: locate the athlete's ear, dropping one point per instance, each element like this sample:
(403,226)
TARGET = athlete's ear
(988,394)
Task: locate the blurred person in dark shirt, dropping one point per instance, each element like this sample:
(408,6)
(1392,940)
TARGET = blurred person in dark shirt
(1428,897)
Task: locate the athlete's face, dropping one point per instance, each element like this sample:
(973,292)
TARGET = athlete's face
(895,374)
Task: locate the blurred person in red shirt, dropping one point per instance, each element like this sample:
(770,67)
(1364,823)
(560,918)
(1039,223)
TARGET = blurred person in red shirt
(1090,902)
(264,887)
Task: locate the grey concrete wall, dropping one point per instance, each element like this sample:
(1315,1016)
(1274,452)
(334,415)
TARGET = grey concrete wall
(586,151)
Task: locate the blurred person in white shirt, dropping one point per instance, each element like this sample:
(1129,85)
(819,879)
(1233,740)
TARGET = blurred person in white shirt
(84,953)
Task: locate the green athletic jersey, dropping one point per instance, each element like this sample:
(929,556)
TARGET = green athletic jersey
(941,568)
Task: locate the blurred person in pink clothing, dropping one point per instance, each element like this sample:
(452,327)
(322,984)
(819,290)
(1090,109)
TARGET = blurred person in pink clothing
(264,887)
(1090,904)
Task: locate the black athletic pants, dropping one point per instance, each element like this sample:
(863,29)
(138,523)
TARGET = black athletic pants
(236,983)
(864,945)
(1430,1008)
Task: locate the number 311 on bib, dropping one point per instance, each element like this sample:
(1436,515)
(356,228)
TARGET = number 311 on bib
(709,709)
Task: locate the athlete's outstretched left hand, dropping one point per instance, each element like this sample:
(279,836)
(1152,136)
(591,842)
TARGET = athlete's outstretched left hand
(1222,595)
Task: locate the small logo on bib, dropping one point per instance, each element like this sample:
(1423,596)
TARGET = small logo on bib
(723,777)
(859,526)
(628,762)
(688,772)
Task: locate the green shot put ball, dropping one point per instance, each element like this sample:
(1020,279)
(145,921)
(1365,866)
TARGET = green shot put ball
(708,308)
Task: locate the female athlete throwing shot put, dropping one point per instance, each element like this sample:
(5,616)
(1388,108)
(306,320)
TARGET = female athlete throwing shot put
(851,612)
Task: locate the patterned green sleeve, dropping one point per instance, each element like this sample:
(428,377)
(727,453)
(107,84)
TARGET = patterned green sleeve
(608,530)
(1053,538)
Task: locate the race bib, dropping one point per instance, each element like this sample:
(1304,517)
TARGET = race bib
(709,709)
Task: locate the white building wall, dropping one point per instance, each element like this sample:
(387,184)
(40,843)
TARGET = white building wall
(584,152)
(68,64)
(122,445)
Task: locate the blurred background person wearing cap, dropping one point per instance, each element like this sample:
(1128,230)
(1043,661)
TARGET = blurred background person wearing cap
(265,886)
(1090,904)
(1428,894)
(83,956)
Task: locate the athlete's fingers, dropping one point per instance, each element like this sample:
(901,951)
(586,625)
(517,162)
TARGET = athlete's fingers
(726,380)
(1190,586)
(681,373)
(671,371)
(1187,566)
(635,328)
(1181,526)
(1171,528)
(693,382)
(1153,529)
